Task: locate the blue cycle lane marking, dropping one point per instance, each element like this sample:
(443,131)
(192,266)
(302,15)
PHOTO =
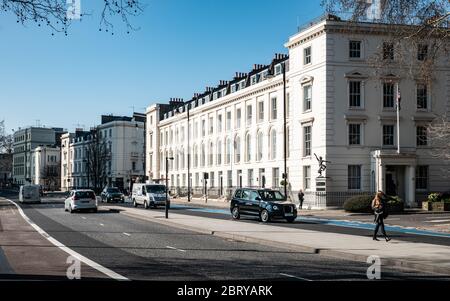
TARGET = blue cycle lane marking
(331,222)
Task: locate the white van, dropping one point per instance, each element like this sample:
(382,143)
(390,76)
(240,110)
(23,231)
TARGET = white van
(30,194)
(149,195)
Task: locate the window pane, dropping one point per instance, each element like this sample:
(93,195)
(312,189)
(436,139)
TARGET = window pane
(355,49)
(354,93)
(354,132)
(422,96)
(388,95)
(354,177)
(388,135)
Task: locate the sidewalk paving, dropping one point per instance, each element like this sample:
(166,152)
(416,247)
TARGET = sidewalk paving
(418,256)
(411,217)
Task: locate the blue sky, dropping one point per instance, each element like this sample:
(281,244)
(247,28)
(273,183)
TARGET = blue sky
(182,47)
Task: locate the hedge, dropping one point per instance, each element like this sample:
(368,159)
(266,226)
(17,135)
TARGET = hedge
(363,204)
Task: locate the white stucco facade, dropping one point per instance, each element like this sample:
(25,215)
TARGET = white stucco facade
(122,142)
(45,167)
(340,107)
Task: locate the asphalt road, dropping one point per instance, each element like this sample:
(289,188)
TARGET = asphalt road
(322,225)
(142,250)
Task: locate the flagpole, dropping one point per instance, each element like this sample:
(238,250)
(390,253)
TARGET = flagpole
(398,119)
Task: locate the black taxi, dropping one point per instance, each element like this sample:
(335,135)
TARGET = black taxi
(267,204)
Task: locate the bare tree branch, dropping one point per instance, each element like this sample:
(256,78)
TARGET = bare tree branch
(53,13)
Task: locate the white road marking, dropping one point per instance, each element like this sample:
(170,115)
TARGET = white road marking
(127,234)
(173,248)
(83,217)
(438,221)
(292,276)
(69,251)
(102,225)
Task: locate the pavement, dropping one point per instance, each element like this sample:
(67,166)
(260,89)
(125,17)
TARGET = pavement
(396,253)
(138,245)
(414,217)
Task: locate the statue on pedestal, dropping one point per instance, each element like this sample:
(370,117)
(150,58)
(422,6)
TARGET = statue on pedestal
(322,165)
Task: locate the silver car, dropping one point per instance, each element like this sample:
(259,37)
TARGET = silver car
(81,199)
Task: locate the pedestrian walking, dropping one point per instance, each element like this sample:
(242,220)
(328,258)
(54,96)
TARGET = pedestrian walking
(380,211)
(301,196)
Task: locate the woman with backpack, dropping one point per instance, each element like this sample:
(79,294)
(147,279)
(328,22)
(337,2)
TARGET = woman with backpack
(380,210)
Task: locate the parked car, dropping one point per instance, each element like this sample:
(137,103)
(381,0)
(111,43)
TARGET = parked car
(149,195)
(112,194)
(81,199)
(267,204)
(29,194)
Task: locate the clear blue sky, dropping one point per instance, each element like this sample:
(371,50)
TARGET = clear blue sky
(182,47)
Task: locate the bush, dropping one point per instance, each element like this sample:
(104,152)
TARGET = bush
(439,197)
(395,204)
(361,203)
(434,197)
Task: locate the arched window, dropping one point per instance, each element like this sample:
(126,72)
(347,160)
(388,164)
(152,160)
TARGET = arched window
(273,144)
(260,146)
(219,152)
(228,151)
(182,159)
(248,147)
(288,142)
(237,149)
(203,156)
(195,156)
(211,153)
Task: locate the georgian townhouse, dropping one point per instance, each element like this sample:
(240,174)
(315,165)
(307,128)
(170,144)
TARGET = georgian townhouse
(339,106)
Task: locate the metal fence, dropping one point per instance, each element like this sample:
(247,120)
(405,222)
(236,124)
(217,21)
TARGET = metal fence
(312,199)
(322,200)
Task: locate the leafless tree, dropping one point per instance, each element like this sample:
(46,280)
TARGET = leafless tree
(6,140)
(54,13)
(410,25)
(51,177)
(439,137)
(98,156)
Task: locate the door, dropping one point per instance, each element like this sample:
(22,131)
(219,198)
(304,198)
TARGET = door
(391,185)
(245,201)
(255,202)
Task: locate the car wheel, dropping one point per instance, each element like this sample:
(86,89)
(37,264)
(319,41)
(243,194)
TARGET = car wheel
(145,205)
(290,219)
(264,216)
(134,203)
(235,213)
(94,210)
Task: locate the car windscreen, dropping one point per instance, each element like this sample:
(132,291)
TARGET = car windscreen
(85,194)
(156,189)
(271,195)
(113,190)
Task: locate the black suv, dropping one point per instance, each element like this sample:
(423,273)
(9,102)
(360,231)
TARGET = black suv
(112,194)
(266,203)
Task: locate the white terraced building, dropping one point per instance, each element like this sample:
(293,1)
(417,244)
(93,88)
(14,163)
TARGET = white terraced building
(119,139)
(338,106)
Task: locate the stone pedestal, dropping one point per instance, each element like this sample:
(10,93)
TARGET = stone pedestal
(321,184)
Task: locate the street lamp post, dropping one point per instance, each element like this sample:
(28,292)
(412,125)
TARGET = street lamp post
(188,153)
(167,186)
(283,66)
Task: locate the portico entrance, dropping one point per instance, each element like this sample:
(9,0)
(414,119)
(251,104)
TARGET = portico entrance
(395,174)
(395,184)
